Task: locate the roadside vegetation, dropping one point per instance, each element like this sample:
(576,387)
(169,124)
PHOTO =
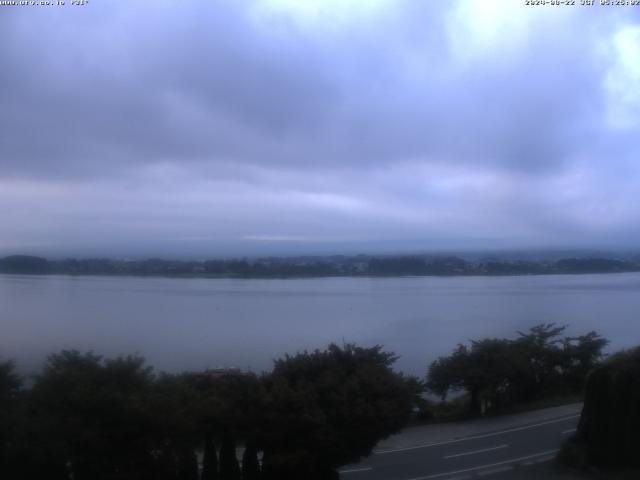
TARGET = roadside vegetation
(90,418)
(606,442)
(540,366)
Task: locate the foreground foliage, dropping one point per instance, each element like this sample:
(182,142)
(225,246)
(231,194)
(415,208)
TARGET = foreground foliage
(607,434)
(500,372)
(91,418)
(337,404)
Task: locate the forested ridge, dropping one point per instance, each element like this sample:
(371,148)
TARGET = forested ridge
(323,266)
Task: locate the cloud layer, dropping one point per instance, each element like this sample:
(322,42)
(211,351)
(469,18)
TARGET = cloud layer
(274,125)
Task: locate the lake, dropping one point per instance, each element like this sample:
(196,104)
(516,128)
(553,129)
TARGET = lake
(197,323)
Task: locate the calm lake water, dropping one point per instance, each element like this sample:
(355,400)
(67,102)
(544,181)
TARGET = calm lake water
(196,323)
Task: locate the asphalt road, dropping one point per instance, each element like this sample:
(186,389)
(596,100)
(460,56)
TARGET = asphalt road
(485,454)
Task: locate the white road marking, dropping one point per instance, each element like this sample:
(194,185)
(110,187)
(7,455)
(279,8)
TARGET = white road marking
(483,467)
(475,437)
(566,432)
(544,459)
(354,470)
(489,449)
(493,471)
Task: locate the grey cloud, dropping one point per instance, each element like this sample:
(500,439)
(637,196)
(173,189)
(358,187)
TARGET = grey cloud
(213,83)
(228,108)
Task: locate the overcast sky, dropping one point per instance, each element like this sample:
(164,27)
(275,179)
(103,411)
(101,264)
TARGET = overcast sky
(213,128)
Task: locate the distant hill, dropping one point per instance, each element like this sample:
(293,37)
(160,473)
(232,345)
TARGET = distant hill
(331,266)
(24,264)
(594,265)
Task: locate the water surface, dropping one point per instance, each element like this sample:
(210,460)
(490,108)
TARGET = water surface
(196,323)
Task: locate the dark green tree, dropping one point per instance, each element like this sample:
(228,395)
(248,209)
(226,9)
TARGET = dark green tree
(229,467)
(498,372)
(187,464)
(542,359)
(250,464)
(92,415)
(210,459)
(581,355)
(10,418)
(483,370)
(328,408)
(174,405)
(228,408)
(610,421)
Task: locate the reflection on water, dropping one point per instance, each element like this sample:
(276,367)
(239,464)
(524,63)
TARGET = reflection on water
(197,323)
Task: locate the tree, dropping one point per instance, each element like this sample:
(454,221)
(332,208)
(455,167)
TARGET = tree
(187,464)
(229,408)
(210,459)
(229,467)
(328,408)
(497,372)
(174,404)
(10,386)
(92,415)
(484,371)
(582,354)
(540,349)
(610,420)
(250,464)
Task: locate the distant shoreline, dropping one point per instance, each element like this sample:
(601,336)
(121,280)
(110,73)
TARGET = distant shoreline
(306,277)
(359,266)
